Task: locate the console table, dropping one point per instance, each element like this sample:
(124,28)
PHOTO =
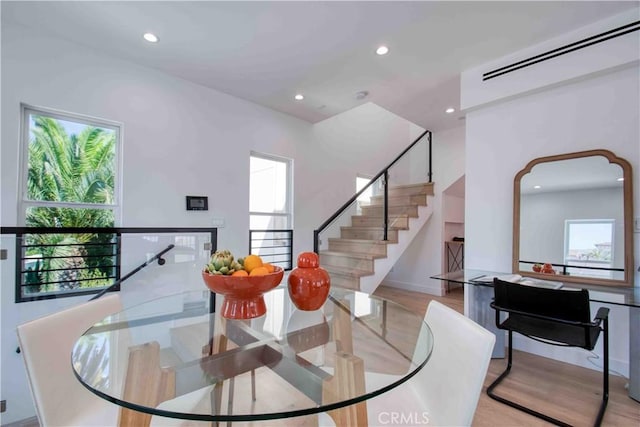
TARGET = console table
(479,290)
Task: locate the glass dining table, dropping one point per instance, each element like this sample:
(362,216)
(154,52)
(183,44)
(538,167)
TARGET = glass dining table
(176,357)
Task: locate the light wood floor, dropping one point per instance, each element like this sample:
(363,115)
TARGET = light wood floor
(563,391)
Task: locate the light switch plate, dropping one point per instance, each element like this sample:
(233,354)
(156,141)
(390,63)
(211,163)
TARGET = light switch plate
(636,224)
(4,254)
(218,222)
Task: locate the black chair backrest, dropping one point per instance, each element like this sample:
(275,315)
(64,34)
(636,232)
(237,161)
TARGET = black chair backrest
(556,303)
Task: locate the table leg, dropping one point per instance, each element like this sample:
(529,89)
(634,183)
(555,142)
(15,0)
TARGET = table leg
(479,298)
(634,353)
(146,384)
(342,327)
(218,344)
(347,382)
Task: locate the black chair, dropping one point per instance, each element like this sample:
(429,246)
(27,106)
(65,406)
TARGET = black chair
(552,316)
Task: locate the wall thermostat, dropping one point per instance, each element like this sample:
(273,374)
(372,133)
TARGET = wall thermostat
(197,203)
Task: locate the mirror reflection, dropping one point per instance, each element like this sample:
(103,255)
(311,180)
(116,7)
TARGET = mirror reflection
(571,215)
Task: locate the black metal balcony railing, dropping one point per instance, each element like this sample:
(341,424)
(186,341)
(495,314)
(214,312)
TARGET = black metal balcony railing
(61,262)
(564,268)
(273,246)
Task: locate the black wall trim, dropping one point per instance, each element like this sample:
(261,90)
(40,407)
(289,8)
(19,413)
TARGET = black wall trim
(589,41)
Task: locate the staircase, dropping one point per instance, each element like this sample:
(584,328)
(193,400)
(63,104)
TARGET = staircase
(360,258)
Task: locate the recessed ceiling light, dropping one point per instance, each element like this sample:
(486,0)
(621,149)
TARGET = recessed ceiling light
(449,110)
(382,50)
(620,179)
(536,187)
(299,97)
(151,38)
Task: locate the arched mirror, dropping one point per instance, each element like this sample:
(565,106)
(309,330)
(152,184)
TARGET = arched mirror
(573,217)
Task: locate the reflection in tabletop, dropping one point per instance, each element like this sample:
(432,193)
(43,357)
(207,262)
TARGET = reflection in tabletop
(172,357)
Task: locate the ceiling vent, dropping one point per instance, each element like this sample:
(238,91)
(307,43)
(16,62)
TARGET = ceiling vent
(580,44)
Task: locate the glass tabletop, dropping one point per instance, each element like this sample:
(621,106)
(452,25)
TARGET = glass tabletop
(172,357)
(618,295)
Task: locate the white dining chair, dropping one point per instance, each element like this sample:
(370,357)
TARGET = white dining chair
(46,344)
(445,392)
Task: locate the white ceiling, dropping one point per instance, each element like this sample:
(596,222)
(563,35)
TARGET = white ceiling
(572,174)
(266,52)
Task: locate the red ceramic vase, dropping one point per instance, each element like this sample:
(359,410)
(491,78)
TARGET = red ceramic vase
(309,283)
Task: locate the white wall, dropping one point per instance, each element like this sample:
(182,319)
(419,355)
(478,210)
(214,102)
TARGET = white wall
(423,257)
(598,111)
(601,112)
(542,219)
(617,52)
(179,139)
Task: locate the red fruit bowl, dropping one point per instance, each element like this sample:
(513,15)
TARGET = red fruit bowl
(243,294)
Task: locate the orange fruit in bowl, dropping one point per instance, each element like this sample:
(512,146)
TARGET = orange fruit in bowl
(251,262)
(240,273)
(259,271)
(270,267)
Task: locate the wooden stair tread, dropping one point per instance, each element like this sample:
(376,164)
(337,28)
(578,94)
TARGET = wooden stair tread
(345,271)
(391,216)
(351,257)
(395,205)
(358,255)
(371,227)
(418,199)
(409,186)
(370,241)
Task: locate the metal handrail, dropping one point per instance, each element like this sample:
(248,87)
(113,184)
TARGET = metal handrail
(384,172)
(115,284)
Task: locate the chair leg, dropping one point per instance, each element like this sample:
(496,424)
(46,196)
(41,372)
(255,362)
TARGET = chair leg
(253,385)
(503,375)
(515,405)
(605,374)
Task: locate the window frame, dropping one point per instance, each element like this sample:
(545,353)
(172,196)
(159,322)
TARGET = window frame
(288,209)
(24,202)
(567,236)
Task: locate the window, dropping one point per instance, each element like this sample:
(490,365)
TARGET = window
(589,243)
(270,210)
(69,179)
(270,194)
(365,197)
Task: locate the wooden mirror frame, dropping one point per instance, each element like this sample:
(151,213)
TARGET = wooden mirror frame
(628,220)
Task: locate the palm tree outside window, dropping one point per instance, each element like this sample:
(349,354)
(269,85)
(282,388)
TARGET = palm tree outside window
(70,178)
